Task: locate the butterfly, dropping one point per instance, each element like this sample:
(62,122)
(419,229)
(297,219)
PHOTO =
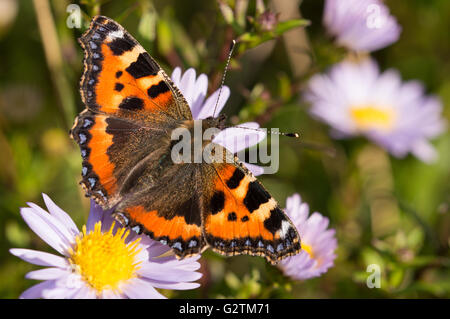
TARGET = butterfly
(124,135)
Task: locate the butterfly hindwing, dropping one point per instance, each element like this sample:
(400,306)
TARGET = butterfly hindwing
(169,211)
(241,217)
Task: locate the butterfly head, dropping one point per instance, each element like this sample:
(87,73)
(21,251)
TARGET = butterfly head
(217,122)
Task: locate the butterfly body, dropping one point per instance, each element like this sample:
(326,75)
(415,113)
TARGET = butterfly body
(132,160)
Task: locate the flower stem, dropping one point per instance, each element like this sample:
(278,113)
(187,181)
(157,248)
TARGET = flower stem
(53,56)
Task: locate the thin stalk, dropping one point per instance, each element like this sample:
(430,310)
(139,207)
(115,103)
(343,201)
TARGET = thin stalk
(53,56)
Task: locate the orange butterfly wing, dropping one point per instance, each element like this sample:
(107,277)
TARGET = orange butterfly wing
(120,76)
(241,217)
(129,100)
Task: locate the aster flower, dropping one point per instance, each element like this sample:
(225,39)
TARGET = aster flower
(318,242)
(101,261)
(234,139)
(355,99)
(361,25)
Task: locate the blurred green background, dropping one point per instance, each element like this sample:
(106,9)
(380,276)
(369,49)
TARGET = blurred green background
(387,211)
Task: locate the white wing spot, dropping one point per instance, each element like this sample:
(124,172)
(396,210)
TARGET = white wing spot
(192,243)
(136,229)
(178,246)
(285,225)
(115,34)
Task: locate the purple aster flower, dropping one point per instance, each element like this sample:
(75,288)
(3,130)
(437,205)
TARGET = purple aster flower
(101,261)
(355,99)
(361,25)
(235,139)
(318,242)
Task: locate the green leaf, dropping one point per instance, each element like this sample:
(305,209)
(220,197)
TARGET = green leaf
(250,40)
(227,12)
(232,281)
(165,41)
(184,45)
(284,26)
(396,277)
(240,12)
(147,25)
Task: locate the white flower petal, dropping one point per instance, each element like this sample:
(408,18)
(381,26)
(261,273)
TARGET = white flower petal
(47,274)
(95,214)
(45,230)
(293,204)
(424,151)
(35,292)
(236,139)
(176,76)
(186,263)
(39,258)
(209,108)
(162,272)
(187,85)
(177,285)
(110,294)
(84,292)
(60,293)
(201,87)
(140,289)
(60,215)
(60,228)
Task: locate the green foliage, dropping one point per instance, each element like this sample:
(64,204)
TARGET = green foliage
(411,241)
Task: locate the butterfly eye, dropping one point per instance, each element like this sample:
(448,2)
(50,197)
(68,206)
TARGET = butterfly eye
(221,119)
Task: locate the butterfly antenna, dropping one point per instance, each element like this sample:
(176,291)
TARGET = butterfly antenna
(295,135)
(330,151)
(233,43)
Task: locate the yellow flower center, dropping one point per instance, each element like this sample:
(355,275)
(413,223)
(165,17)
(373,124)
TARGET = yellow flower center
(370,117)
(308,249)
(104,260)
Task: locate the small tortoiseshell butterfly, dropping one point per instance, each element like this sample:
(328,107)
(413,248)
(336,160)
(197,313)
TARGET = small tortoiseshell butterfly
(124,135)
